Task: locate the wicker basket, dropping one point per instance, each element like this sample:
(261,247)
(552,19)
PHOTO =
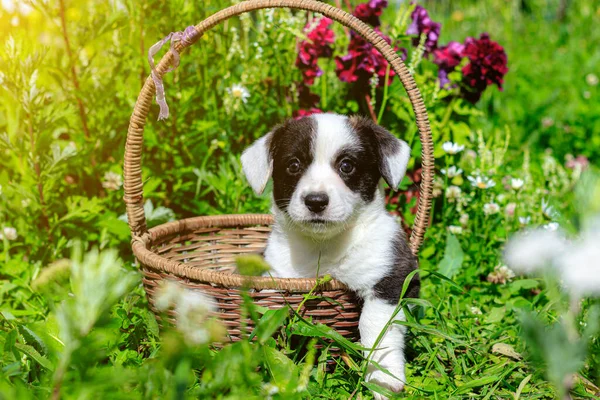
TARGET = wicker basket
(199,252)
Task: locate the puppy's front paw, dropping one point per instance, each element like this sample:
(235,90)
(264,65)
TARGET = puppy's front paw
(393,383)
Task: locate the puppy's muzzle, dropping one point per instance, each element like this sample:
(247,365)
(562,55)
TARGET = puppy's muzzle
(316,202)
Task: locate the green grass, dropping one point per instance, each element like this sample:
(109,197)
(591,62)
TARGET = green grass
(74,321)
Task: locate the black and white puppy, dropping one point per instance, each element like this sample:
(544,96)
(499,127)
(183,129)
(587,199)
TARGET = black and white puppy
(329,205)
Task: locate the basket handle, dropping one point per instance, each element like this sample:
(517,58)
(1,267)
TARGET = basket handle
(132,168)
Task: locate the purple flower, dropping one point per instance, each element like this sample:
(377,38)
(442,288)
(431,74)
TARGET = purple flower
(422,24)
(487,66)
(370,12)
(448,58)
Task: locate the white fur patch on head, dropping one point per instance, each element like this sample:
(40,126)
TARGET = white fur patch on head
(257,164)
(332,135)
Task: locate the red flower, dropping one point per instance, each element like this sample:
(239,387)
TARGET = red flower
(320,37)
(448,58)
(488,65)
(305,113)
(306,99)
(370,12)
(422,24)
(363,61)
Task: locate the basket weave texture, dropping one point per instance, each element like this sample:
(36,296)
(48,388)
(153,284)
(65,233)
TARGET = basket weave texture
(200,252)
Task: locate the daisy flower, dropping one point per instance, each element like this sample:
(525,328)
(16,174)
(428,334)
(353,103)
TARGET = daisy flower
(516,183)
(481,182)
(452,148)
(452,172)
(238,91)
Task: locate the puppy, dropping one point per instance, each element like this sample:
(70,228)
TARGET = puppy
(330,218)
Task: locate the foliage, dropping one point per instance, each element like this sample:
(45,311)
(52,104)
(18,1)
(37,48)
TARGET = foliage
(74,320)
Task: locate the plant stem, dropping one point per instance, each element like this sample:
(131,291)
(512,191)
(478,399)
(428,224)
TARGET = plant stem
(385,93)
(38,173)
(371,111)
(82,114)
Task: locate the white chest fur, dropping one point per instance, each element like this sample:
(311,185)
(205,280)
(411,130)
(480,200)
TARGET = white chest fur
(359,256)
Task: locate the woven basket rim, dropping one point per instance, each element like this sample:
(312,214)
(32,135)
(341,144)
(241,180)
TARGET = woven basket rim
(132,170)
(181,270)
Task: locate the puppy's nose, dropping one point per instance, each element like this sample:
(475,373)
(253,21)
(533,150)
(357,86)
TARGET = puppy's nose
(316,202)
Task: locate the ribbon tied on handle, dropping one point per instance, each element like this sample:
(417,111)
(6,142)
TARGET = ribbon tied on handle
(187,37)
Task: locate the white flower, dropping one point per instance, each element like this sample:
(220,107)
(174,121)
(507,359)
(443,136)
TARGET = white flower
(491,208)
(532,250)
(453,192)
(524,220)
(112,181)
(551,226)
(239,92)
(452,171)
(25,203)
(192,307)
(548,210)
(510,209)
(481,182)
(591,79)
(476,310)
(438,185)
(516,183)
(452,148)
(455,230)
(579,266)
(9,233)
(501,275)
(464,219)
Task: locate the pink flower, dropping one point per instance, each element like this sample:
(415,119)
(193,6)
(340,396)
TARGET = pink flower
(580,162)
(305,113)
(422,24)
(320,37)
(448,58)
(488,65)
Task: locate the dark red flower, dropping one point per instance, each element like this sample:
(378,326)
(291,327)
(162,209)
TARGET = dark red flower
(487,66)
(306,99)
(448,58)
(305,113)
(318,45)
(370,12)
(363,61)
(422,24)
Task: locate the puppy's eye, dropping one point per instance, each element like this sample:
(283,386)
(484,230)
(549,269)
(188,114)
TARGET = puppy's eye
(346,166)
(293,166)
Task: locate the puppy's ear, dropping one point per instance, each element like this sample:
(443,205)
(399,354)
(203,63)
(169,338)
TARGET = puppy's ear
(394,153)
(257,163)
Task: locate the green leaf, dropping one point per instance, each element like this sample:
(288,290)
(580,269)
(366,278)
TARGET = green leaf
(283,370)
(476,383)
(269,323)
(523,284)
(453,257)
(31,352)
(303,328)
(496,315)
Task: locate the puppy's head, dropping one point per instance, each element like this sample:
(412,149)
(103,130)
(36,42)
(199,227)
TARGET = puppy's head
(325,168)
